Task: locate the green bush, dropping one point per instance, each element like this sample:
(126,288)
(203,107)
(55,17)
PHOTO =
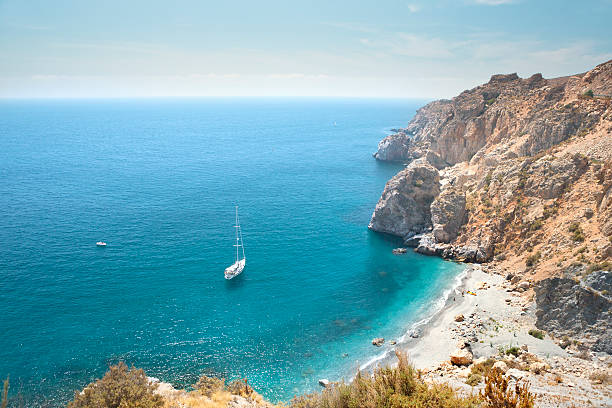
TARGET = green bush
(473,379)
(240,387)
(588,93)
(120,387)
(513,350)
(533,259)
(576,231)
(603,266)
(483,368)
(538,334)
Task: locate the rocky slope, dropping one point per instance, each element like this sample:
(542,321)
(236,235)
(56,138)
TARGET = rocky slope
(519,173)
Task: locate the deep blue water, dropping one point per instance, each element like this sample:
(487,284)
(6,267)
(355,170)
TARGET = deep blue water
(158,180)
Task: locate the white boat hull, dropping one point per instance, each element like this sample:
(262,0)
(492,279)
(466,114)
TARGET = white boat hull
(235,269)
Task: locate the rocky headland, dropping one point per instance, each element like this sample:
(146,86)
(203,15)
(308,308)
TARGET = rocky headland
(516,174)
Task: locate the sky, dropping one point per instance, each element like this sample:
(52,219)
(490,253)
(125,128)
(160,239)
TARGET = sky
(332,48)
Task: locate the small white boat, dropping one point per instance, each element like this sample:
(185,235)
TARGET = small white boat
(101,243)
(237,267)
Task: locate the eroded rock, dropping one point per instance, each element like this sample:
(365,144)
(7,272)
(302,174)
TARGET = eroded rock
(404,207)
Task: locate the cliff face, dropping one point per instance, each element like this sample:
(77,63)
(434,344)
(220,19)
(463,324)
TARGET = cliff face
(577,309)
(527,115)
(403,208)
(523,164)
(525,181)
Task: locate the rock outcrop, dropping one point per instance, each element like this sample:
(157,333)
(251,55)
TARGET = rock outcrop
(448,214)
(510,156)
(404,207)
(569,308)
(518,172)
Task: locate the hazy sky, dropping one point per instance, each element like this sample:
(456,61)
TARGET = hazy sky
(83,48)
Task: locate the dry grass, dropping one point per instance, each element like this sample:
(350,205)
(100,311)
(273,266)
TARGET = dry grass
(397,387)
(195,399)
(498,393)
(601,377)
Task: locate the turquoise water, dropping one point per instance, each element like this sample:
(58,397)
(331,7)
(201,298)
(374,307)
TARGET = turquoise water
(158,181)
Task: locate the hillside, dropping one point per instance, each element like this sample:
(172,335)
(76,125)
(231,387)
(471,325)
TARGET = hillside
(516,173)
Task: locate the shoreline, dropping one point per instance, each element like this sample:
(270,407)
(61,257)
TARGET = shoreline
(421,327)
(496,318)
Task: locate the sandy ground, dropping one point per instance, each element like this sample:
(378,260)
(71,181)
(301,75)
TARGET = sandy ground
(498,317)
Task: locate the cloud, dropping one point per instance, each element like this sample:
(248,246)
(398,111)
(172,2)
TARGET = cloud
(351,26)
(413,8)
(411,45)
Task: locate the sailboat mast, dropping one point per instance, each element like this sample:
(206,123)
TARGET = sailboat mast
(237,239)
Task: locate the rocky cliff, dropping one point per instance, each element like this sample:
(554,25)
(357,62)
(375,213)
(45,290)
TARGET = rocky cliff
(508,155)
(520,174)
(577,309)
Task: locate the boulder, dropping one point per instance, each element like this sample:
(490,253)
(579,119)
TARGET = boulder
(415,333)
(462,357)
(459,318)
(538,367)
(501,366)
(398,251)
(515,374)
(324,382)
(396,147)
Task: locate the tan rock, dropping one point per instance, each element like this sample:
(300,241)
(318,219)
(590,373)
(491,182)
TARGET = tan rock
(538,367)
(501,366)
(378,341)
(459,318)
(461,357)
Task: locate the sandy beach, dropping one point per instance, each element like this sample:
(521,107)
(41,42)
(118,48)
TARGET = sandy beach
(496,317)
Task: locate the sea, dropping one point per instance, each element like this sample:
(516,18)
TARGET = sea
(158,181)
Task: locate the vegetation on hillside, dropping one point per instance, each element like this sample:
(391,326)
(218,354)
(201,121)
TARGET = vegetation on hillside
(397,387)
(121,387)
(403,386)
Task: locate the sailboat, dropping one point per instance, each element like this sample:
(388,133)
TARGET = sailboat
(238,266)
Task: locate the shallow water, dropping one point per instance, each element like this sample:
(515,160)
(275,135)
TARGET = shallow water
(158,181)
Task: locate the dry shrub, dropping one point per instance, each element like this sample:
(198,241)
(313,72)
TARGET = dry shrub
(482,368)
(498,393)
(240,387)
(209,385)
(601,377)
(398,387)
(194,399)
(5,389)
(473,379)
(121,387)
